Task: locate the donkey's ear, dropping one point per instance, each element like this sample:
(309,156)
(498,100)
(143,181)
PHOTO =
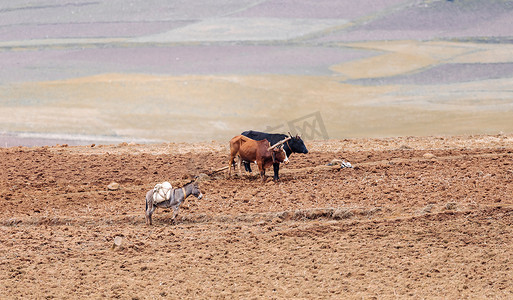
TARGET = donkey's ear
(200,178)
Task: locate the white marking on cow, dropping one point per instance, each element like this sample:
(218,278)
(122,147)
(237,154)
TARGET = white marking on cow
(286,161)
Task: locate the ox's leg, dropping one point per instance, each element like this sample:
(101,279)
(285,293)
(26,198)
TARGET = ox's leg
(276,167)
(230,166)
(262,170)
(239,163)
(247,166)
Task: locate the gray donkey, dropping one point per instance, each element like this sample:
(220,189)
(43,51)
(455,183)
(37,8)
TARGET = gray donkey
(177,197)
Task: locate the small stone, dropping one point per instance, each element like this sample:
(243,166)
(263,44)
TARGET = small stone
(118,242)
(113,186)
(429,155)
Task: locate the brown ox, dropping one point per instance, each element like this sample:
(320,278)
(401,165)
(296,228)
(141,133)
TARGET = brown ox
(260,152)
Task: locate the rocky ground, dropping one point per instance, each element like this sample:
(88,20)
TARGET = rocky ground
(415,217)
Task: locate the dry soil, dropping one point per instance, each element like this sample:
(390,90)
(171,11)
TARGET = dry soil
(416,217)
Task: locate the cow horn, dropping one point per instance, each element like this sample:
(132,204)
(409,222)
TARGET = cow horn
(279,143)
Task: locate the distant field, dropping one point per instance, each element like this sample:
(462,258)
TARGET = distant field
(207,71)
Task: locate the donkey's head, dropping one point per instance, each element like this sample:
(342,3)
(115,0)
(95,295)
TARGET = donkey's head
(195,190)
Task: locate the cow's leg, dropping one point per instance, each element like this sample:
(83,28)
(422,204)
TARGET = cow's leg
(230,166)
(262,170)
(276,167)
(247,166)
(239,161)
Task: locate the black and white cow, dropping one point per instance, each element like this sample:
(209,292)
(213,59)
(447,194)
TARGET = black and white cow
(294,145)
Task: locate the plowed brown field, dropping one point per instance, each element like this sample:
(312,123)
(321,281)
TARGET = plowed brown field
(416,217)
